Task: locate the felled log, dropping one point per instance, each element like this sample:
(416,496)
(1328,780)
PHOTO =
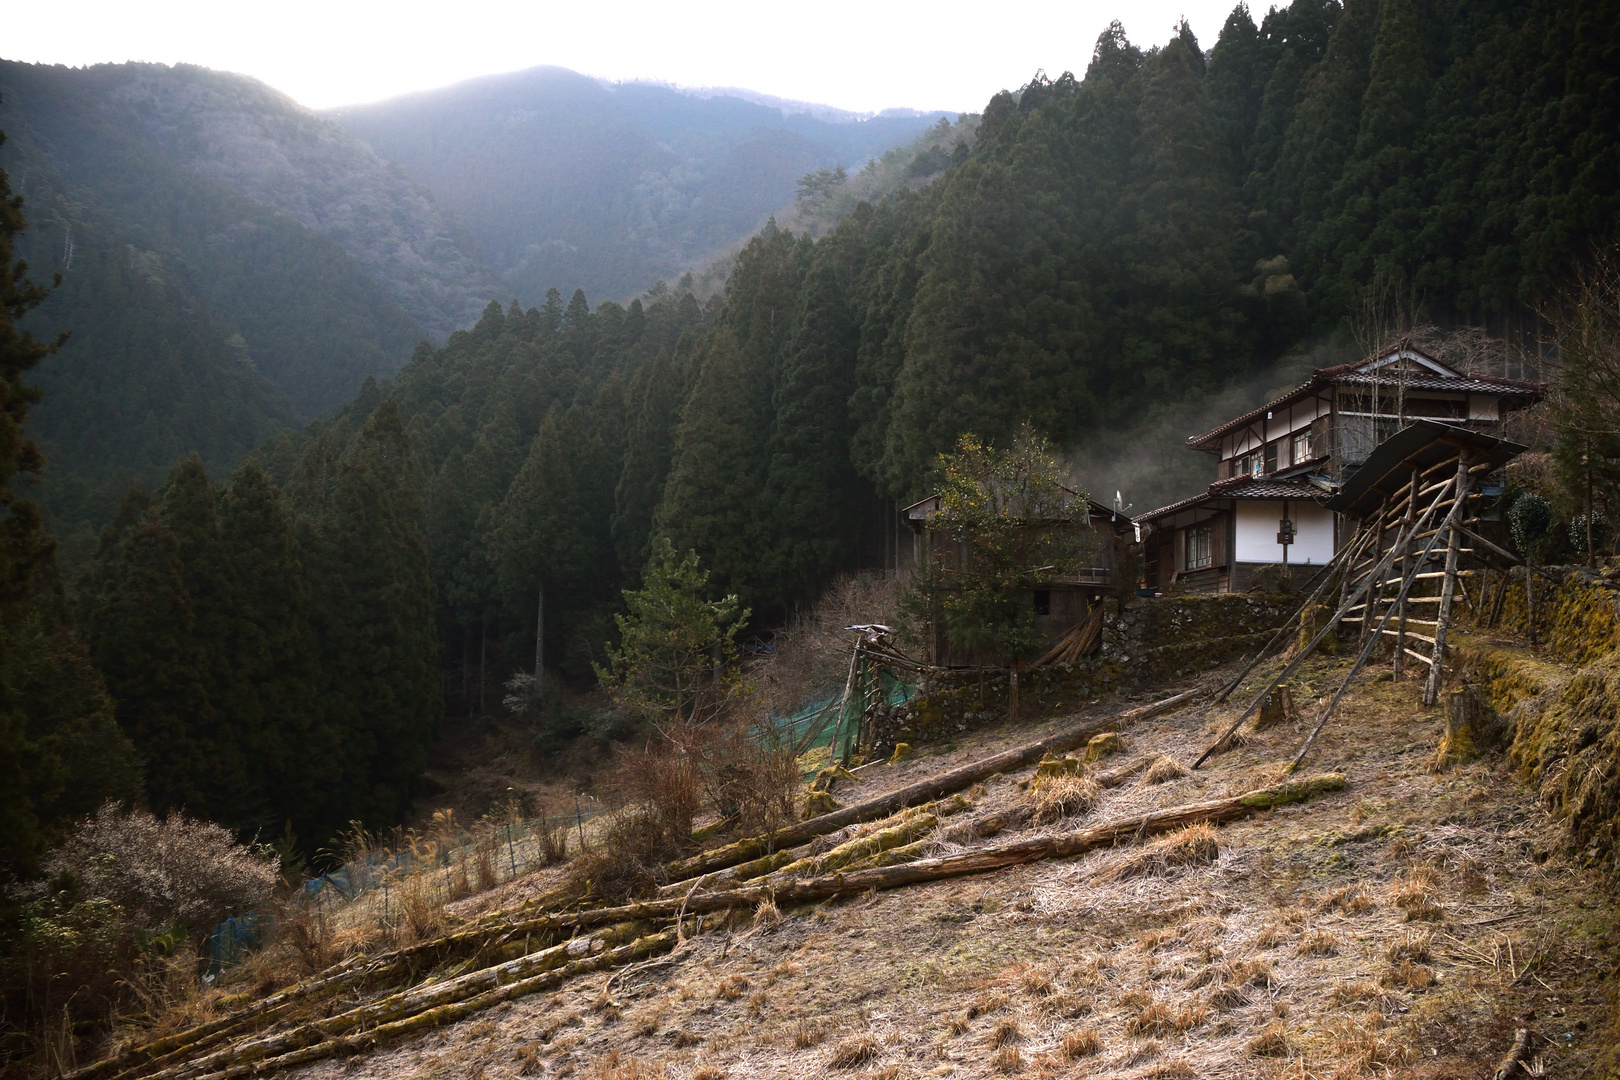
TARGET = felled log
(1517,1062)
(781,860)
(429,1018)
(879,840)
(933,788)
(390,1009)
(1000,856)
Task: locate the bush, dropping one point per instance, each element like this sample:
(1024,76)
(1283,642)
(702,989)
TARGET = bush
(162,873)
(118,921)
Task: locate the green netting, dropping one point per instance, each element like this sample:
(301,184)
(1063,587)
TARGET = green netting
(835,721)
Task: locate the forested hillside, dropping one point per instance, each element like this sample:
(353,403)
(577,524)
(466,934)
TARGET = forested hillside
(569,183)
(1169,227)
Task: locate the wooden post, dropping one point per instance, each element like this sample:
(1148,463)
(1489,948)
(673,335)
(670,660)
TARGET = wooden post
(1406,584)
(1406,559)
(1448,588)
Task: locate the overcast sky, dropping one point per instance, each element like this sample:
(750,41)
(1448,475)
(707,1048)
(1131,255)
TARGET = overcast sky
(856,55)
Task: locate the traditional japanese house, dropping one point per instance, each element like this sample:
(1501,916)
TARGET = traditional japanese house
(1060,602)
(1276,465)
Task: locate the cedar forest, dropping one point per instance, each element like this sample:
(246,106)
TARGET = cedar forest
(276,649)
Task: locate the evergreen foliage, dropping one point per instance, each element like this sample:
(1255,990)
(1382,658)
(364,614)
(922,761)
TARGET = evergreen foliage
(60,752)
(673,661)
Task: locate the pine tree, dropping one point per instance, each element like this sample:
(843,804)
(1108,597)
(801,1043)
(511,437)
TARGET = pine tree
(273,671)
(374,604)
(711,501)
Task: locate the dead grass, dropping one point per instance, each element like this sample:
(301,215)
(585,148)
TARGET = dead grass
(1362,1046)
(1272,1041)
(1063,797)
(1005,1033)
(732,987)
(1007,1060)
(853,1053)
(1038,983)
(1082,1043)
(807,1034)
(1163,1018)
(1195,845)
(1318,943)
(1412,944)
(1410,976)
(1165,769)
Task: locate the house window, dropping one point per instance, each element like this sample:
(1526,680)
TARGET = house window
(1043,602)
(1251,464)
(1200,547)
(1301,447)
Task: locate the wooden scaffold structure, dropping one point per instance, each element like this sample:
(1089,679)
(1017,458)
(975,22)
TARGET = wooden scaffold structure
(1416,500)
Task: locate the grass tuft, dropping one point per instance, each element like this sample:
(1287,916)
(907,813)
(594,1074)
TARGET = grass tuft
(1082,1043)
(853,1053)
(1063,797)
(1165,769)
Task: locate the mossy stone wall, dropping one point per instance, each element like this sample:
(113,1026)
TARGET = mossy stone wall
(1150,642)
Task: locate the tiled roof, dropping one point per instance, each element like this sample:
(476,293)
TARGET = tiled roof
(1353,375)
(1244,487)
(1467,384)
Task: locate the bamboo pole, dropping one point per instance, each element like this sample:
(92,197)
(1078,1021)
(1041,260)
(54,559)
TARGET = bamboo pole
(1406,556)
(1366,650)
(1305,653)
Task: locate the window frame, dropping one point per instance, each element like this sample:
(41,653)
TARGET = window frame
(1194,559)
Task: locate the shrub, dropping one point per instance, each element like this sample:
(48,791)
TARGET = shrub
(177,871)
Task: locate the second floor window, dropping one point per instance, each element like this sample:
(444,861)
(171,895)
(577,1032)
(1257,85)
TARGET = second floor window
(1300,449)
(1200,547)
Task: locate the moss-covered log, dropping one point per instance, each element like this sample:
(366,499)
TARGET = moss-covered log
(933,788)
(999,856)
(438,1015)
(385,1010)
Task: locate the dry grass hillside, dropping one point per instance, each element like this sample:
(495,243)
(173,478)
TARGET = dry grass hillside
(1405,926)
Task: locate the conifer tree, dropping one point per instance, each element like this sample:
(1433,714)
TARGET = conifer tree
(270,695)
(60,751)
(711,502)
(378,646)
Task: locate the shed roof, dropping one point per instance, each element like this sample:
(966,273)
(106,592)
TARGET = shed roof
(1421,444)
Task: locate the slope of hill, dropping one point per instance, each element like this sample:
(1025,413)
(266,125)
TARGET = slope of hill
(566,182)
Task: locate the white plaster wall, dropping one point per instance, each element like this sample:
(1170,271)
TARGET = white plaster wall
(1283,422)
(1257,532)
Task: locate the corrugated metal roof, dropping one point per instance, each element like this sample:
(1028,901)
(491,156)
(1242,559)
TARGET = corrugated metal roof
(1422,444)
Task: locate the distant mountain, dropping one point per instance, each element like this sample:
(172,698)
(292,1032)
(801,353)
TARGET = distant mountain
(564,181)
(231,264)
(234,263)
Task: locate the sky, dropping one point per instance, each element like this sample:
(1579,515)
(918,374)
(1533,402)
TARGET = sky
(862,56)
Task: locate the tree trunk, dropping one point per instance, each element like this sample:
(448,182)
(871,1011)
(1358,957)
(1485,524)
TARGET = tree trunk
(923,791)
(540,639)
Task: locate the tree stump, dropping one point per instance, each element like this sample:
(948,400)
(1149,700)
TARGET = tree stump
(1277,707)
(1472,727)
(1104,745)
